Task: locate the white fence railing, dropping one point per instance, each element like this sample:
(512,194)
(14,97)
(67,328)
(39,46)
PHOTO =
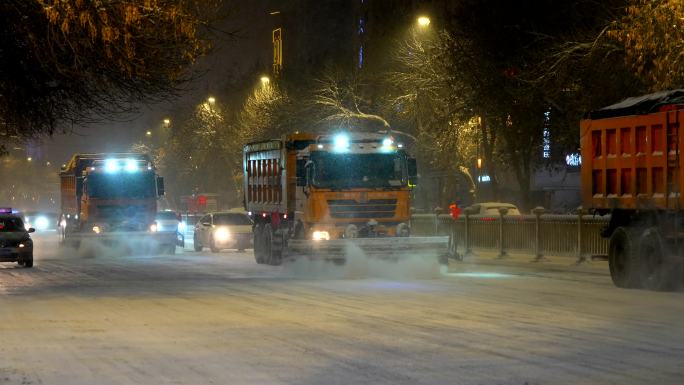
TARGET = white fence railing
(560,235)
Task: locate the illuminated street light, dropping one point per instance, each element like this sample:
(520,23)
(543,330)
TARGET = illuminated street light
(479,162)
(29,159)
(167,121)
(423,21)
(265,80)
(148,133)
(211,100)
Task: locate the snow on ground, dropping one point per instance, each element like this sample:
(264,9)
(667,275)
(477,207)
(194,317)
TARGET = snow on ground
(204,318)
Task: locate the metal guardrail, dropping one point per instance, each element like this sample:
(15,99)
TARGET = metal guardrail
(559,235)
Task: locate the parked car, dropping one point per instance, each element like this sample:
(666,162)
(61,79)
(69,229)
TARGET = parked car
(169,221)
(223,230)
(490,210)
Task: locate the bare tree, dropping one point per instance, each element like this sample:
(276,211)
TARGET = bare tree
(339,99)
(73,62)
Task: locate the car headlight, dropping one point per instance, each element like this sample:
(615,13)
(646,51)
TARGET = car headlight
(21,245)
(154,227)
(222,234)
(320,236)
(41,223)
(97,229)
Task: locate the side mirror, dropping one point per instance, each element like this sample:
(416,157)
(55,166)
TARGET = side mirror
(160,186)
(301,172)
(31,230)
(412,171)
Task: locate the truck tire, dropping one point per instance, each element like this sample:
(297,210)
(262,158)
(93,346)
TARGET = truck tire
(622,261)
(655,272)
(196,243)
(267,243)
(277,245)
(258,243)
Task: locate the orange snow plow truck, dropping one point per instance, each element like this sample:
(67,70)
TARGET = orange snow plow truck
(632,169)
(111,199)
(326,196)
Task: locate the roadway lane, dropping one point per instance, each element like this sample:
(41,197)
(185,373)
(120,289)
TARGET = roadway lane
(204,318)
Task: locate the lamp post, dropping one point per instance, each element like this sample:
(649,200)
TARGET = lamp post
(265,81)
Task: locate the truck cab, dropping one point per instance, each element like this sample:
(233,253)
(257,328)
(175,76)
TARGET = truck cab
(112,198)
(353,186)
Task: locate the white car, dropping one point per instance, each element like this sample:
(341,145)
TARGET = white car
(490,210)
(169,221)
(224,230)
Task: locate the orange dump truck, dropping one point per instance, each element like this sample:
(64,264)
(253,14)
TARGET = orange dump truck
(632,169)
(112,199)
(324,196)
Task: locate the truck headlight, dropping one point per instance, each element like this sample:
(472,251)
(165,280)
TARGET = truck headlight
(154,228)
(320,236)
(222,234)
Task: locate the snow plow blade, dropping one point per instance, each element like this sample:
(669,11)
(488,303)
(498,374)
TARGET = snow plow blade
(382,248)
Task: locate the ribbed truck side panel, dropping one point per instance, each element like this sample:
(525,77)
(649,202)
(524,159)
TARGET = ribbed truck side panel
(265,181)
(632,162)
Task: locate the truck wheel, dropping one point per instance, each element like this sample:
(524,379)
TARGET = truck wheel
(258,243)
(621,259)
(655,272)
(277,245)
(267,243)
(196,243)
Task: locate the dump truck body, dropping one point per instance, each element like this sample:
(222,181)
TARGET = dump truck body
(316,195)
(111,199)
(632,169)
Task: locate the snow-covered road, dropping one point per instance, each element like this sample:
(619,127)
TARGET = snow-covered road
(204,318)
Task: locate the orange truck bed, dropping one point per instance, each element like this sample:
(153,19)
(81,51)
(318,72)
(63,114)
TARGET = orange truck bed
(633,161)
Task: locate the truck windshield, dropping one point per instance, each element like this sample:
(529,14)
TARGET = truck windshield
(134,185)
(359,170)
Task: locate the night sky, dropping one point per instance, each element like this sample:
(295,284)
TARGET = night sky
(235,55)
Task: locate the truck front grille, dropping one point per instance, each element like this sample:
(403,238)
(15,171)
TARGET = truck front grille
(373,209)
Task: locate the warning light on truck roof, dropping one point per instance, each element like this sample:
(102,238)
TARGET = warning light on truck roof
(341,142)
(131,165)
(111,165)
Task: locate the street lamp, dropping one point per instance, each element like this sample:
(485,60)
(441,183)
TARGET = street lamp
(211,100)
(265,80)
(167,121)
(29,159)
(148,133)
(423,21)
